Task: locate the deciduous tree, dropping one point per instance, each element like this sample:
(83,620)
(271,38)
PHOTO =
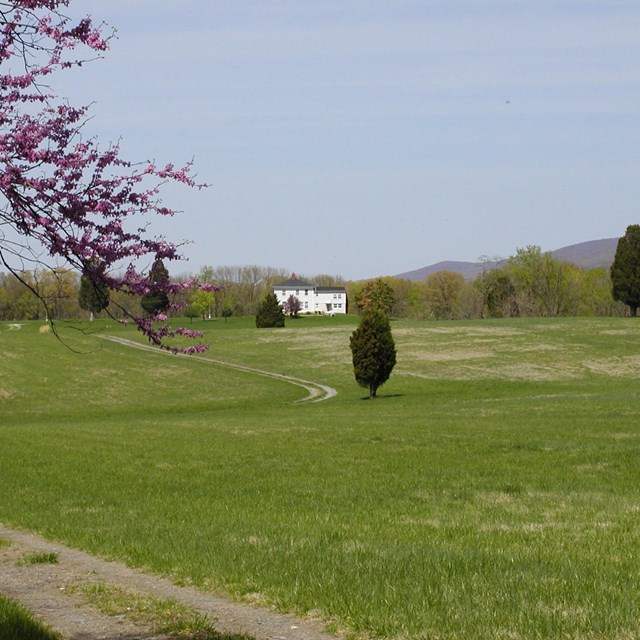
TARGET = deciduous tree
(60,192)
(443,290)
(543,283)
(202,302)
(375,294)
(292,306)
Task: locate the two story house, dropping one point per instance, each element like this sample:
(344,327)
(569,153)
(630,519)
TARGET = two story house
(313,299)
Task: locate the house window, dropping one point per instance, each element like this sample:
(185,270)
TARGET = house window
(306,305)
(297,292)
(306,292)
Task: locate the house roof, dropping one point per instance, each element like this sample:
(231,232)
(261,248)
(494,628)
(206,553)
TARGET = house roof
(293,283)
(330,289)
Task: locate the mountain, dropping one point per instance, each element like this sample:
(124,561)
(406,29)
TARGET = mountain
(469,270)
(586,255)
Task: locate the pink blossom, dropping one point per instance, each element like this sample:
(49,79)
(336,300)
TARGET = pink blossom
(60,188)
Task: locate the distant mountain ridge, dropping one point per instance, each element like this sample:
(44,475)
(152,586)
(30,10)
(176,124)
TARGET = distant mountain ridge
(585,255)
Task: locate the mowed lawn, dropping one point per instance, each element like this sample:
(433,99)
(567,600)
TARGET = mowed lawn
(491,491)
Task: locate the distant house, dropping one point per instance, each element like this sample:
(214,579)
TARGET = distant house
(313,299)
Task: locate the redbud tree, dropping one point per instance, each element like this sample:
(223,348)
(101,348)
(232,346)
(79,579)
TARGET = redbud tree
(62,195)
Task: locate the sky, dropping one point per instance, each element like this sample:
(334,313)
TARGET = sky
(373,137)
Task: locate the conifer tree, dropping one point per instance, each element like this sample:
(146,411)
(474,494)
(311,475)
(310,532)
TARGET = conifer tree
(92,297)
(373,351)
(269,313)
(156,301)
(625,270)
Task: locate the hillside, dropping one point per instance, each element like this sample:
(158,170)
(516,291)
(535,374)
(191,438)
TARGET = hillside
(586,255)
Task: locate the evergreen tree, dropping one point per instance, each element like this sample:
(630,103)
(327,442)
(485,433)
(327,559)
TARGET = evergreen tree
(156,300)
(92,297)
(269,313)
(373,351)
(625,270)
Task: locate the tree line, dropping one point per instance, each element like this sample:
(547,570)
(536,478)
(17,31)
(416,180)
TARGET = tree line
(56,293)
(529,283)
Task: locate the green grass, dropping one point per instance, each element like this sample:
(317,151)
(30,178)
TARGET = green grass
(39,558)
(490,491)
(16,623)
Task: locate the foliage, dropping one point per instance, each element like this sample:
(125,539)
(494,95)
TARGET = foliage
(375,294)
(373,350)
(498,294)
(625,270)
(327,280)
(55,288)
(269,313)
(443,290)
(202,302)
(62,194)
(594,294)
(543,284)
(241,287)
(533,284)
(292,306)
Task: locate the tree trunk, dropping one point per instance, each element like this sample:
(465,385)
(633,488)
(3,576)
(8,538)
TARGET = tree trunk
(633,310)
(372,391)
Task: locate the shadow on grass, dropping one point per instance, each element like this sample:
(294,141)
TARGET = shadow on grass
(384,396)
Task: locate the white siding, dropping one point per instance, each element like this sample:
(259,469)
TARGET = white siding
(313,301)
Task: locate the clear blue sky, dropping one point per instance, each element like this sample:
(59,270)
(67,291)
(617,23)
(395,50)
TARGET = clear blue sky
(372,137)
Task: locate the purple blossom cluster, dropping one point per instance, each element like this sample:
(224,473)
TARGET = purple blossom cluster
(81,203)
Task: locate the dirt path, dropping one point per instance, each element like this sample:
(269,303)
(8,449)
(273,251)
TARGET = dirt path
(317,392)
(44,590)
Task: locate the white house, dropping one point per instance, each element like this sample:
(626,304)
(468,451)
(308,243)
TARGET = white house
(313,299)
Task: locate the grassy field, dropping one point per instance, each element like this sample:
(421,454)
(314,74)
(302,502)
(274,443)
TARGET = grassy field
(491,491)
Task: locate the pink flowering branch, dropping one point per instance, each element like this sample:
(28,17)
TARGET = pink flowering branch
(58,189)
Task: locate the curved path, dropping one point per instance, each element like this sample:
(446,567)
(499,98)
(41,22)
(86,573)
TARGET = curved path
(316,392)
